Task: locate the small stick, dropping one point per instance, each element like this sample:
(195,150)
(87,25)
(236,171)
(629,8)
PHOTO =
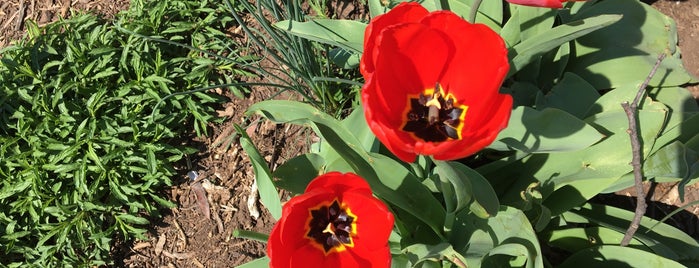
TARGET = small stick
(20,18)
(636,151)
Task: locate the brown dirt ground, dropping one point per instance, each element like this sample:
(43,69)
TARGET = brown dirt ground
(187,238)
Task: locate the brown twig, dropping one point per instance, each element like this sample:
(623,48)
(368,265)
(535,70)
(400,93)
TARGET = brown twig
(20,18)
(630,110)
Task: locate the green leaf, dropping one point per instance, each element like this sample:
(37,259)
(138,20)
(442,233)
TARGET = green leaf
(463,8)
(376,7)
(601,56)
(485,202)
(659,239)
(347,34)
(572,95)
(534,20)
(268,193)
(295,174)
(570,178)
(133,219)
(550,130)
(455,186)
(256,263)
(419,254)
(483,238)
(344,58)
(357,123)
(617,256)
(511,32)
(672,161)
(528,50)
(577,239)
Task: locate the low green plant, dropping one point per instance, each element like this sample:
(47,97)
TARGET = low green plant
(294,63)
(92,118)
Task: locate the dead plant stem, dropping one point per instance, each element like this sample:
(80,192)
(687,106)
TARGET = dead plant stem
(631,110)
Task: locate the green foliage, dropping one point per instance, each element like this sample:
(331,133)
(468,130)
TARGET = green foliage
(91,120)
(566,142)
(296,64)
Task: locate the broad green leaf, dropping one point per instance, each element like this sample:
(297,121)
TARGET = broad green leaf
(347,34)
(528,50)
(295,174)
(491,9)
(617,256)
(524,94)
(661,237)
(511,32)
(679,100)
(534,20)
(572,95)
(482,238)
(684,132)
(256,263)
(518,251)
(421,254)
(455,186)
(268,193)
(607,59)
(376,7)
(485,201)
(611,101)
(344,58)
(584,173)
(579,238)
(672,161)
(357,123)
(550,130)
(463,8)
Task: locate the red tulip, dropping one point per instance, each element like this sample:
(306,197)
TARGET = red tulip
(541,3)
(432,82)
(335,223)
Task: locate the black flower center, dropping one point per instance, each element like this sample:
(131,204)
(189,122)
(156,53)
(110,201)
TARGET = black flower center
(331,227)
(435,117)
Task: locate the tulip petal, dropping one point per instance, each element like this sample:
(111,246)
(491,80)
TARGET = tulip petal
(479,64)
(338,183)
(372,214)
(402,13)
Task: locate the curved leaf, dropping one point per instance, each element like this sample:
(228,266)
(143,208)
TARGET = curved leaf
(529,49)
(550,130)
(347,34)
(617,256)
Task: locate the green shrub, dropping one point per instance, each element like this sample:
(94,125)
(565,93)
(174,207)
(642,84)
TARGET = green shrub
(92,118)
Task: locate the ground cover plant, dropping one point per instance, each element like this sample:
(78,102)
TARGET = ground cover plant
(93,119)
(581,99)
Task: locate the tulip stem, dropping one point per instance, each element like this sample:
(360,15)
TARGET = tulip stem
(474,11)
(636,161)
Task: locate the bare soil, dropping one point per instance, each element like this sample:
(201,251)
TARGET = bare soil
(192,236)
